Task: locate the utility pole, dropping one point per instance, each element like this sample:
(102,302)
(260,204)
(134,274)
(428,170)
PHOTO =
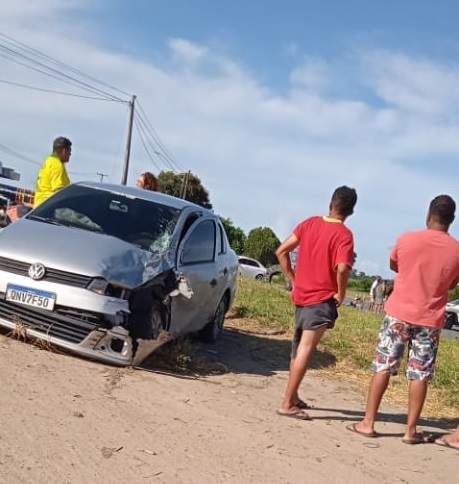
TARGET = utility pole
(102,176)
(185,184)
(127,154)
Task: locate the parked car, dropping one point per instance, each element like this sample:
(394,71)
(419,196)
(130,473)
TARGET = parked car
(252,268)
(452,313)
(111,272)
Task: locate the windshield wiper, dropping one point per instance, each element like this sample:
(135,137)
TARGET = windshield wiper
(46,220)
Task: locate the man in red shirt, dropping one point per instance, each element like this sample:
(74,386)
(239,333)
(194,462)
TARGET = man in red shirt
(325,258)
(427,266)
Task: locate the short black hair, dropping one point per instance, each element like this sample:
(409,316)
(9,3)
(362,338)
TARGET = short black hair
(344,200)
(61,142)
(443,209)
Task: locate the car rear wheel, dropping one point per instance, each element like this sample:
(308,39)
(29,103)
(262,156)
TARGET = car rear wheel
(451,320)
(259,277)
(211,332)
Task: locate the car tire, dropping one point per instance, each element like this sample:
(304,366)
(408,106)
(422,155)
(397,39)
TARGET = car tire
(259,277)
(211,331)
(450,320)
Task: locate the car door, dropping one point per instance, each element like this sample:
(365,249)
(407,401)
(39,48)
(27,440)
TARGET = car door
(196,261)
(244,268)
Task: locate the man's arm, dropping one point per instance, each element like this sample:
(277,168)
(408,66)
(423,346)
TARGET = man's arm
(454,284)
(283,256)
(57,176)
(342,277)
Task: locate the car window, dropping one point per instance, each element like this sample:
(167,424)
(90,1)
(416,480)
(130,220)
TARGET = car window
(249,262)
(243,261)
(222,240)
(200,245)
(143,223)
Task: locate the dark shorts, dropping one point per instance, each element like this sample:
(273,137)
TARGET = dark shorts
(312,318)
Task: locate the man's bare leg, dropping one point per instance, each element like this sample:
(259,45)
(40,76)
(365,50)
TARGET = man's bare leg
(416,399)
(299,366)
(377,389)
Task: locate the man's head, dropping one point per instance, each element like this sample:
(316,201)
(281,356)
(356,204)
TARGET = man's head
(441,212)
(62,148)
(343,202)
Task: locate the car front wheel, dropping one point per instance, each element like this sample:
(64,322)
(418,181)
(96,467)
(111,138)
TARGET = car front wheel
(212,330)
(451,320)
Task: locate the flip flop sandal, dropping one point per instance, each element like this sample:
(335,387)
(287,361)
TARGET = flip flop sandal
(300,414)
(353,428)
(444,443)
(421,438)
(303,405)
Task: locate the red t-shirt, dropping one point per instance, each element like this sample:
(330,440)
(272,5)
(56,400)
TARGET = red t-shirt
(324,243)
(428,264)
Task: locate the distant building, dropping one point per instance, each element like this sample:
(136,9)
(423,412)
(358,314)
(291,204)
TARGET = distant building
(9,173)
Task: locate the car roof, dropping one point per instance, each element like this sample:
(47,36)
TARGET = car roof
(157,197)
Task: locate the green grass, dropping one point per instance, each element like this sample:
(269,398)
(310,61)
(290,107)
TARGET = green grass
(352,342)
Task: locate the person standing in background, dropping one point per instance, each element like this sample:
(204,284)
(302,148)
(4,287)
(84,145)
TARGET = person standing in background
(148,181)
(53,176)
(319,281)
(427,267)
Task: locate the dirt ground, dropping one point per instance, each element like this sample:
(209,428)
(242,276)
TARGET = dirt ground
(66,420)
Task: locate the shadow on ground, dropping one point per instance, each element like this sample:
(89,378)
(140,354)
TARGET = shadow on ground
(235,352)
(444,424)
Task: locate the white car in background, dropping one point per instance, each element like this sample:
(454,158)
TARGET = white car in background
(252,268)
(452,314)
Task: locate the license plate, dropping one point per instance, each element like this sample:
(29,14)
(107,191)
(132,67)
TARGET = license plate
(30,297)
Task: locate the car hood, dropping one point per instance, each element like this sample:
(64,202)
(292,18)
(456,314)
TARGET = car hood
(81,252)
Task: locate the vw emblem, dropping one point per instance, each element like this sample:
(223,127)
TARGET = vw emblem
(37,271)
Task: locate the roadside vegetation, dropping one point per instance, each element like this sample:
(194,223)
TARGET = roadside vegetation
(352,343)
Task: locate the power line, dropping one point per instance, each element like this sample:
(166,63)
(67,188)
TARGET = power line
(60,63)
(63,93)
(157,138)
(154,144)
(141,133)
(81,84)
(10,151)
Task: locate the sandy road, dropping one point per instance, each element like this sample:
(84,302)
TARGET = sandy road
(65,420)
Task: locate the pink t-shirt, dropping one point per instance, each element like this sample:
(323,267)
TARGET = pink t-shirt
(428,265)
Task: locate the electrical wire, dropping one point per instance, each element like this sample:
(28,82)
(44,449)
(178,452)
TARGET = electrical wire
(154,145)
(12,152)
(63,93)
(60,63)
(81,84)
(141,134)
(156,137)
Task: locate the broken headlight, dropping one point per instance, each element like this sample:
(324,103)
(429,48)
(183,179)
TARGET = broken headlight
(98,286)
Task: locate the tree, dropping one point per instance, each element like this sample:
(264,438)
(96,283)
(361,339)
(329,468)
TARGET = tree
(236,235)
(172,183)
(261,244)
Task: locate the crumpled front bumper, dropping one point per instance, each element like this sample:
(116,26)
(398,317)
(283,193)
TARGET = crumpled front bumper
(113,346)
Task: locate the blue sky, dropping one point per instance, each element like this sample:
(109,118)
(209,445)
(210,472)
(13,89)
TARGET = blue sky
(273,104)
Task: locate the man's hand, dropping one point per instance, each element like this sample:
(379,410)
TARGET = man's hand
(283,256)
(342,276)
(339,299)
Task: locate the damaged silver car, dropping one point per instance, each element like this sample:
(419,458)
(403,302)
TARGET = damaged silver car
(111,272)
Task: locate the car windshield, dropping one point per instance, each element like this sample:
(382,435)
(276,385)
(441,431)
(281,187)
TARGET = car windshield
(143,223)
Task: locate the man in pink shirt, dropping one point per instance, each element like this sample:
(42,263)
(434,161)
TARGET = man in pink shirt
(427,266)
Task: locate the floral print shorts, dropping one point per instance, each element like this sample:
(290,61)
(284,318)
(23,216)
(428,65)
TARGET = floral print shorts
(422,341)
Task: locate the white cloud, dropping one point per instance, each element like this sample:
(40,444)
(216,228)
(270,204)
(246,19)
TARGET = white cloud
(187,51)
(267,158)
(311,74)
